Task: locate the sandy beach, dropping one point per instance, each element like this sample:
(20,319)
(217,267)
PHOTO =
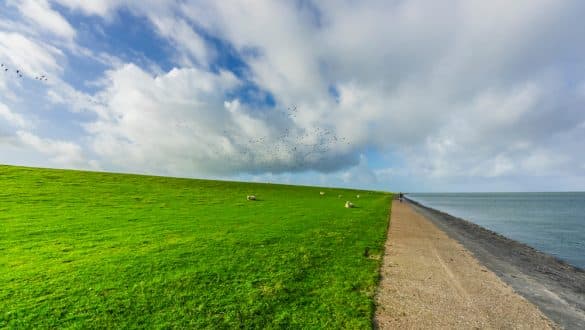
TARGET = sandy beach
(429,280)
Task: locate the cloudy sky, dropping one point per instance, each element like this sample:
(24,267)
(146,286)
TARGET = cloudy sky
(411,95)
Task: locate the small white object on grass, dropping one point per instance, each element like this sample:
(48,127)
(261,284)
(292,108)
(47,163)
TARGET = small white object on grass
(358,196)
(322,193)
(251,197)
(348,204)
(339,196)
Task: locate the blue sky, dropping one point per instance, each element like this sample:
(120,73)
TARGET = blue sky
(410,95)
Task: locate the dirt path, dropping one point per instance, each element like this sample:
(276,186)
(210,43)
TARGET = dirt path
(556,287)
(431,281)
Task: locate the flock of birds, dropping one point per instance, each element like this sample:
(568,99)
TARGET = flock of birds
(20,74)
(291,146)
(300,144)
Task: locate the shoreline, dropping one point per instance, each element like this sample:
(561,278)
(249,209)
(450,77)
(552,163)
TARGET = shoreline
(556,287)
(430,281)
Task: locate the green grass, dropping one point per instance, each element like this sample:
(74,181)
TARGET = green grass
(83,249)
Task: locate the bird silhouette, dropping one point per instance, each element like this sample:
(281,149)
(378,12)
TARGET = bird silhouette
(292,146)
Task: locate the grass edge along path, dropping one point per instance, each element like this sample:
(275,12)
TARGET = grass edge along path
(89,249)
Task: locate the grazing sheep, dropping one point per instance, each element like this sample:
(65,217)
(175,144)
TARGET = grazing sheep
(251,197)
(348,205)
(322,193)
(358,196)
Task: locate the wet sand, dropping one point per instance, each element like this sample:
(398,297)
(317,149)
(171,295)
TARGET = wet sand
(557,288)
(430,281)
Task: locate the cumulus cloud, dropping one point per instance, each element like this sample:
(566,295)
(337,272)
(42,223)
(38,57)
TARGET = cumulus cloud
(60,152)
(185,121)
(453,90)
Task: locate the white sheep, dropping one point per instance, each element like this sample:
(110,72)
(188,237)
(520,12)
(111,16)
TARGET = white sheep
(358,196)
(348,205)
(251,197)
(322,193)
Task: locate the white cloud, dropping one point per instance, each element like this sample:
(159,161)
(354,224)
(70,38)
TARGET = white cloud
(185,39)
(184,121)
(361,174)
(62,153)
(101,7)
(30,56)
(446,89)
(190,46)
(40,12)
(457,89)
(14,119)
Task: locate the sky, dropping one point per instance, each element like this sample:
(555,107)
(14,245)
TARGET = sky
(400,95)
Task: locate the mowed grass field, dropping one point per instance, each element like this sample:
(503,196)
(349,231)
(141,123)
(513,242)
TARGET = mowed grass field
(99,250)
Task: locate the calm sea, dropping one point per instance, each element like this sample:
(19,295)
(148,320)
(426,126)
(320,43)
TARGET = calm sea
(550,222)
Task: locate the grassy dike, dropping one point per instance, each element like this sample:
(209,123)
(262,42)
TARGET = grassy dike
(84,249)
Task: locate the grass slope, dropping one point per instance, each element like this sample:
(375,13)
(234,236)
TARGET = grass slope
(83,249)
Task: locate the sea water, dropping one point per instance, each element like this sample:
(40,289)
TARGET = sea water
(553,223)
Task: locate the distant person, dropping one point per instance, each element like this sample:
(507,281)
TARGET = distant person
(400,197)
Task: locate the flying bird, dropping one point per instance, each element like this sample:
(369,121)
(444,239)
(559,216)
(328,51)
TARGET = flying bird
(297,144)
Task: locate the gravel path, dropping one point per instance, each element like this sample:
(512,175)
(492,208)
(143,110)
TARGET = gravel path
(557,288)
(431,281)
